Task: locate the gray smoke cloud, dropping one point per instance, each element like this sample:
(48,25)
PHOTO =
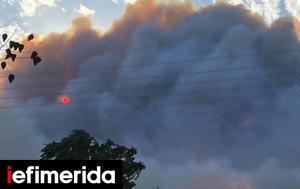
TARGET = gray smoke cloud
(230,122)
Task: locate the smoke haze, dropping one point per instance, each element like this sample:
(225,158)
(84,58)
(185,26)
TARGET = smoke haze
(224,122)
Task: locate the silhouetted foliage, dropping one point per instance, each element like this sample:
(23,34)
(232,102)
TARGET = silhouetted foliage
(35,58)
(11,78)
(4,37)
(79,145)
(3,65)
(12,55)
(15,45)
(30,37)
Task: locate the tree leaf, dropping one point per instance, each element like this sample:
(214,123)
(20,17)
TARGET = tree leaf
(11,78)
(12,44)
(9,54)
(34,54)
(30,37)
(3,65)
(21,47)
(4,37)
(36,60)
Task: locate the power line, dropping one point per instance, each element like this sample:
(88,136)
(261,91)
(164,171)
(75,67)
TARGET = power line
(126,67)
(8,22)
(288,75)
(195,92)
(139,87)
(92,82)
(258,97)
(189,73)
(160,63)
(12,35)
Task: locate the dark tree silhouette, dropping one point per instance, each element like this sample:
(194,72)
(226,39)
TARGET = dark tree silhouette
(79,145)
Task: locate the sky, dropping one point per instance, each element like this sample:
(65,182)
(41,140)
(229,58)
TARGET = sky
(55,15)
(208,92)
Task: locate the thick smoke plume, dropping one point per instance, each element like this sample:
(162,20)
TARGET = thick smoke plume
(208,97)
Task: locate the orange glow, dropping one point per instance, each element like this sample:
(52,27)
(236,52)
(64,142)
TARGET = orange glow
(65,99)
